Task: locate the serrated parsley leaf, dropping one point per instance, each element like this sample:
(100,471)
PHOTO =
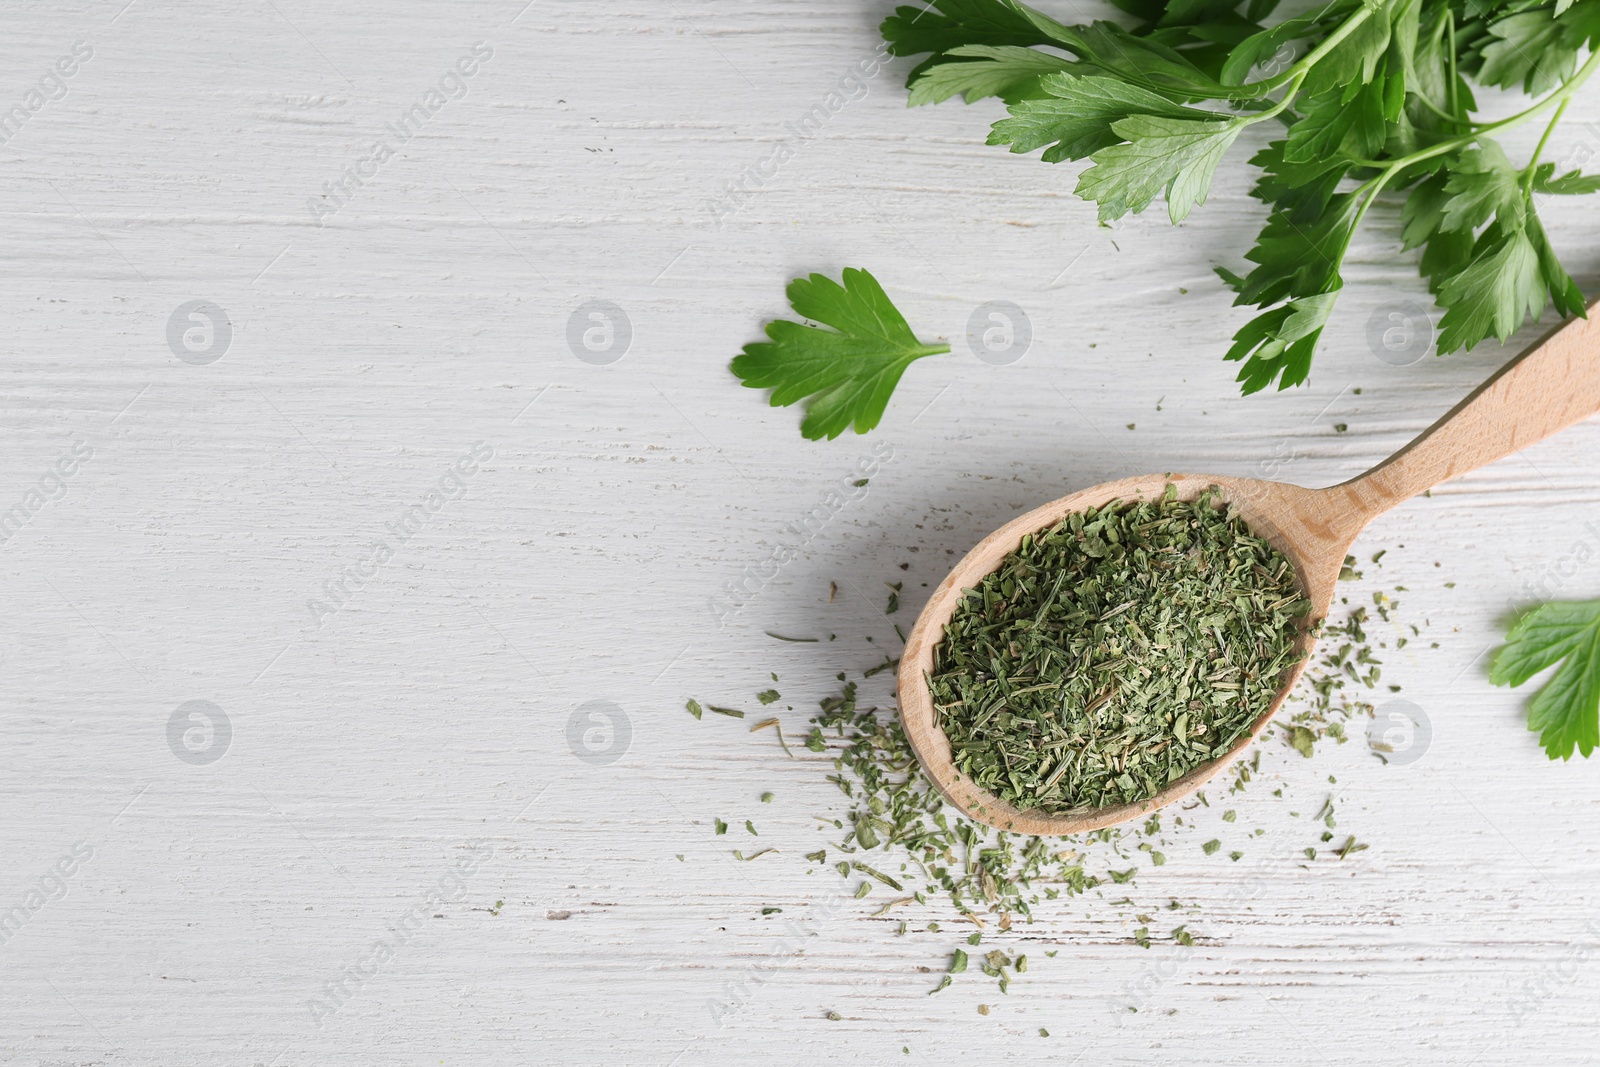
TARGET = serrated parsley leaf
(1375,98)
(1572,183)
(850,371)
(1143,60)
(1422,215)
(1333,125)
(1257,47)
(1531,48)
(1299,257)
(1566,709)
(1301,190)
(1076,114)
(1163,155)
(1494,294)
(984,70)
(1281,342)
(1564,292)
(949,24)
(1482,184)
(1354,61)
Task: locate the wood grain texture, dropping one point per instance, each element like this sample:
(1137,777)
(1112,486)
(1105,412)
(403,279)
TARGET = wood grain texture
(1552,386)
(410,755)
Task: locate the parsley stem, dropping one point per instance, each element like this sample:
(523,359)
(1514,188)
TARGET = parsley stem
(1538,149)
(1450,54)
(1277,108)
(1371,188)
(1377,185)
(1441,112)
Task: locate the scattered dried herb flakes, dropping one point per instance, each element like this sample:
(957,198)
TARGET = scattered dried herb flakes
(777,727)
(893,807)
(989,876)
(1345,676)
(1113,653)
(1300,738)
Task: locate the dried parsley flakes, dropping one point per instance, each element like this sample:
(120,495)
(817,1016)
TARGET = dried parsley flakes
(1115,652)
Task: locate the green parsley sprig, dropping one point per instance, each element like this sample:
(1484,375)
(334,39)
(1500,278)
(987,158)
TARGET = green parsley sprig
(1371,97)
(850,371)
(1566,709)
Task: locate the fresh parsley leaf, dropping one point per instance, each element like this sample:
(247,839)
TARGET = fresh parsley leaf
(1250,52)
(1443,98)
(1445,252)
(1530,49)
(1147,60)
(1482,184)
(992,70)
(1376,100)
(949,24)
(1333,126)
(1572,183)
(1296,256)
(1566,709)
(1564,292)
(1422,215)
(848,372)
(1075,115)
(1494,294)
(1280,343)
(1301,190)
(1354,60)
(1163,155)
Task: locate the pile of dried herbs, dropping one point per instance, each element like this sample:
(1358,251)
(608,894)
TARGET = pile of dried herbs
(1115,652)
(896,835)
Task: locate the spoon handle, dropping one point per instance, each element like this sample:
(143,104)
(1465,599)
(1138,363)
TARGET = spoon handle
(1551,386)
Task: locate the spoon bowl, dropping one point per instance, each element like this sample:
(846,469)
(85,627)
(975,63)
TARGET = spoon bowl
(1275,511)
(1551,386)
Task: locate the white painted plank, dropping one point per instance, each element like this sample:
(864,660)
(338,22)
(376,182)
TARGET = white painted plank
(370,753)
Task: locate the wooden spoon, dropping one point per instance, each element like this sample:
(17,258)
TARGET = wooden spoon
(1553,385)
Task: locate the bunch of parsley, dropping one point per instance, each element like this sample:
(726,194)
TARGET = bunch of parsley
(1368,97)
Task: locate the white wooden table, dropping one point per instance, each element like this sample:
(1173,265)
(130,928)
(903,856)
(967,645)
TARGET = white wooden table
(388,752)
